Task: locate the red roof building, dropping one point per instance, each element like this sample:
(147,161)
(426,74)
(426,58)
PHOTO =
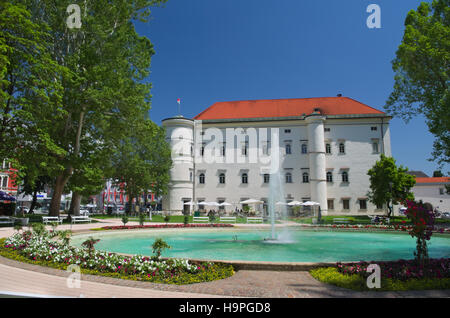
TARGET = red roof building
(440,180)
(279,108)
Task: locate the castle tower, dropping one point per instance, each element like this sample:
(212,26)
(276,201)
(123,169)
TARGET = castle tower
(180,136)
(317,161)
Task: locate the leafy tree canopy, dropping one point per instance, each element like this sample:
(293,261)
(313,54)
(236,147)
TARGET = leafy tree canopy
(422,70)
(389,184)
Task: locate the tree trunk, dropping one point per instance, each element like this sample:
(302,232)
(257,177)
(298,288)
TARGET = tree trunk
(62,179)
(58,190)
(75,204)
(33,203)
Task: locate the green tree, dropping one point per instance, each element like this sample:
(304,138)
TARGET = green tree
(108,62)
(142,160)
(437,174)
(30,90)
(422,69)
(389,184)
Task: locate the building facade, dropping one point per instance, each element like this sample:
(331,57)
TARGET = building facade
(7,178)
(316,149)
(433,190)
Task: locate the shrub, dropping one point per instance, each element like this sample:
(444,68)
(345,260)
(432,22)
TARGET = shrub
(158,246)
(167,218)
(141,218)
(423,222)
(124,220)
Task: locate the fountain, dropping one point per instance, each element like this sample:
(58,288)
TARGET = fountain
(276,199)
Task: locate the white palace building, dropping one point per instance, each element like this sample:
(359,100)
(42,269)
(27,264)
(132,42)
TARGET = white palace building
(320,149)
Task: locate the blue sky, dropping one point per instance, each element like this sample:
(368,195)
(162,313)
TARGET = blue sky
(223,50)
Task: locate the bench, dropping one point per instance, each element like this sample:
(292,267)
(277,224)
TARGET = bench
(228,219)
(7,220)
(255,219)
(341,220)
(76,219)
(200,219)
(49,219)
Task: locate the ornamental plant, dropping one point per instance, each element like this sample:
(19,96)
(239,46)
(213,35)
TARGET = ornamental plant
(44,250)
(158,246)
(141,218)
(422,219)
(89,244)
(124,220)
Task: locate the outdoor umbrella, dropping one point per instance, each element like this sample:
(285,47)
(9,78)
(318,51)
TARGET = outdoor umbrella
(6,197)
(293,203)
(311,203)
(251,201)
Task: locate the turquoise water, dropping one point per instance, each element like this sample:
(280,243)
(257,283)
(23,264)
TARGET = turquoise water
(245,245)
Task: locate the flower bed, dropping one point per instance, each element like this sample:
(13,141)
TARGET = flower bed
(401,269)
(395,275)
(43,249)
(164,226)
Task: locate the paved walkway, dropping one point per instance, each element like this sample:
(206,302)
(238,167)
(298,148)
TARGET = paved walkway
(16,277)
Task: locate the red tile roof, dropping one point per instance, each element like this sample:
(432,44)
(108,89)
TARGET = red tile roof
(433,180)
(285,108)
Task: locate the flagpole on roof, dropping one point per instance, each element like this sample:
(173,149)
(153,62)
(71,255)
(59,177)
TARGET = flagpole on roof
(179,103)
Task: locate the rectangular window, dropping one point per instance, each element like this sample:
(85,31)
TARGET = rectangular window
(265,148)
(346,204)
(244,149)
(330,204)
(328,148)
(266,178)
(4,182)
(441,191)
(287,131)
(362,204)
(373,128)
(327,129)
(375,146)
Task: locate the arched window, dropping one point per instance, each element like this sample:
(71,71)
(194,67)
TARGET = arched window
(288,149)
(201,178)
(222,178)
(341,147)
(329,176)
(345,176)
(305,177)
(288,177)
(245,178)
(304,148)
